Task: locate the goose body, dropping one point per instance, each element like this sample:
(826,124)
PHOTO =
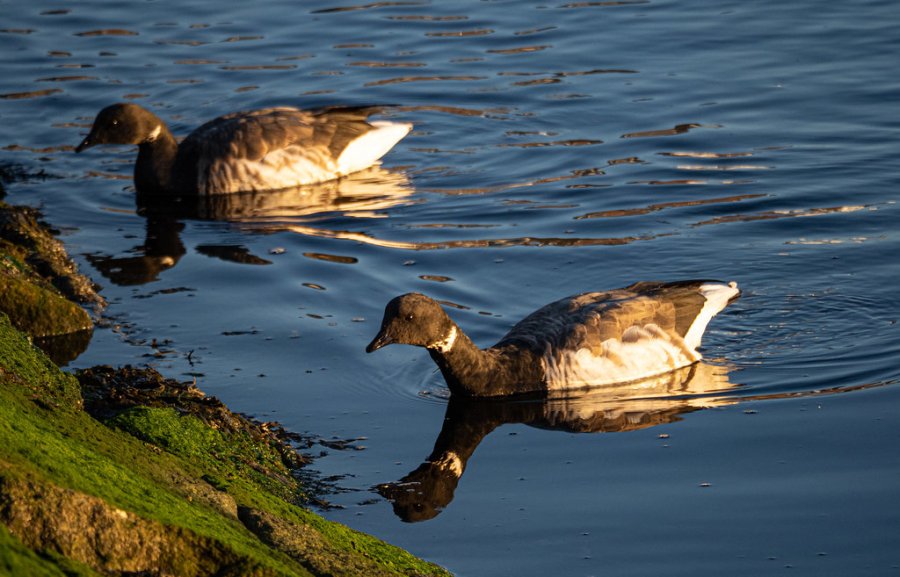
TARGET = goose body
(266,149)
(589,339)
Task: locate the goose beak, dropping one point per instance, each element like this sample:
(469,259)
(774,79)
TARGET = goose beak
(86,143)
(379,341)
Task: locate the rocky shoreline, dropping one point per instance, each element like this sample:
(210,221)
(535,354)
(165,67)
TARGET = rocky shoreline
(121,471)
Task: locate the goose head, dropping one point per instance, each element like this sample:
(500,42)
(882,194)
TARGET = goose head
(415,319)
(123,123)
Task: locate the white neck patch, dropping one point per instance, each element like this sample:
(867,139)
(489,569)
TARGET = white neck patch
(446,344)
(154,134)
(450,461)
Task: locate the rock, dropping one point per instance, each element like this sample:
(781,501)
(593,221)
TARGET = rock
(24,237)
(89,530)
(40,286)
(39,312)
(306,545)
(108,392)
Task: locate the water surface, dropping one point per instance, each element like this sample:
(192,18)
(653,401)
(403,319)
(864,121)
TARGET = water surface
(559,147)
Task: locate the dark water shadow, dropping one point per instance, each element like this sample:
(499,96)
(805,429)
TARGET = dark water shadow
(63,349)
(362,194)
(424,492)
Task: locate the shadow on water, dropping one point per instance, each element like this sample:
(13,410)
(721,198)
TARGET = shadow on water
(361,195)
(63,349)
(424,492)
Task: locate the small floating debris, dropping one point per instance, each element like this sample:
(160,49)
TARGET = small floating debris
(277,250)
(343,444)
(705,485)
(239,333)
(108,32)
(331,257)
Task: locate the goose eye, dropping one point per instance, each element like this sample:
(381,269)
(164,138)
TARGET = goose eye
(409,317)
(115,122)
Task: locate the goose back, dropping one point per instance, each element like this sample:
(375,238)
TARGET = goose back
(275,148)
(643,330)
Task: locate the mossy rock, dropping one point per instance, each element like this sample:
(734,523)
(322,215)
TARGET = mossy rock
(79,497)
(28,249)
(40,312)
(25,369)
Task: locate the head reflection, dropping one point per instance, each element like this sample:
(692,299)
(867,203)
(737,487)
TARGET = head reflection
(426,491)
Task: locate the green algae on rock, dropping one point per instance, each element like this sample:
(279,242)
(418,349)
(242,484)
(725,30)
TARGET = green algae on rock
(158,490)
(30,247)
(40,286)
(40,312)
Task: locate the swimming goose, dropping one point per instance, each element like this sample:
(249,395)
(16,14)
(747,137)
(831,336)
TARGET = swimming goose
(255,150)
(589,339)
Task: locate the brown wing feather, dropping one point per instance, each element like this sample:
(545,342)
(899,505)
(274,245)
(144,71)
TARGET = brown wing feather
(213,149)
(338,127)
(588,319)
(684,296)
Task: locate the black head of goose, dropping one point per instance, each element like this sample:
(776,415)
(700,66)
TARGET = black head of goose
(267,149)
(590,339)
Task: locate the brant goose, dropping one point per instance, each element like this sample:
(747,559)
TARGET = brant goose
(255,150)
(590,339)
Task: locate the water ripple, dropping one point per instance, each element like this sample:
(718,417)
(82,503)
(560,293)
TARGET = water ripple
(371,6)
(404,79)
(365,238)
(776,214)
(677,129)
(615,213)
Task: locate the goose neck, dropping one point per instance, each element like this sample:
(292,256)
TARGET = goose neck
(468,370)
(156,157)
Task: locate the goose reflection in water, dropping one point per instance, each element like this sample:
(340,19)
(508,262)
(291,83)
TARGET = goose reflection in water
(361,194)
(426,491)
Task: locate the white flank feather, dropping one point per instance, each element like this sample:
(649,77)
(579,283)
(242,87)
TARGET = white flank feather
(642,352)
(285,168)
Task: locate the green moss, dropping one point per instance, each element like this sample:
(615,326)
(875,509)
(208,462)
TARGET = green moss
(17,559)
(46,437)
(23,365)
(40,312)
(70,449)
(221,460)
(28,250)
(187,436)
(235,461)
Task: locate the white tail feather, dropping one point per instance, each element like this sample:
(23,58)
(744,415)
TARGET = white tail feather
(364,151)
(717,298)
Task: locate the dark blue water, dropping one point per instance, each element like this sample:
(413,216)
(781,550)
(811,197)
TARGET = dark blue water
(559,147)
